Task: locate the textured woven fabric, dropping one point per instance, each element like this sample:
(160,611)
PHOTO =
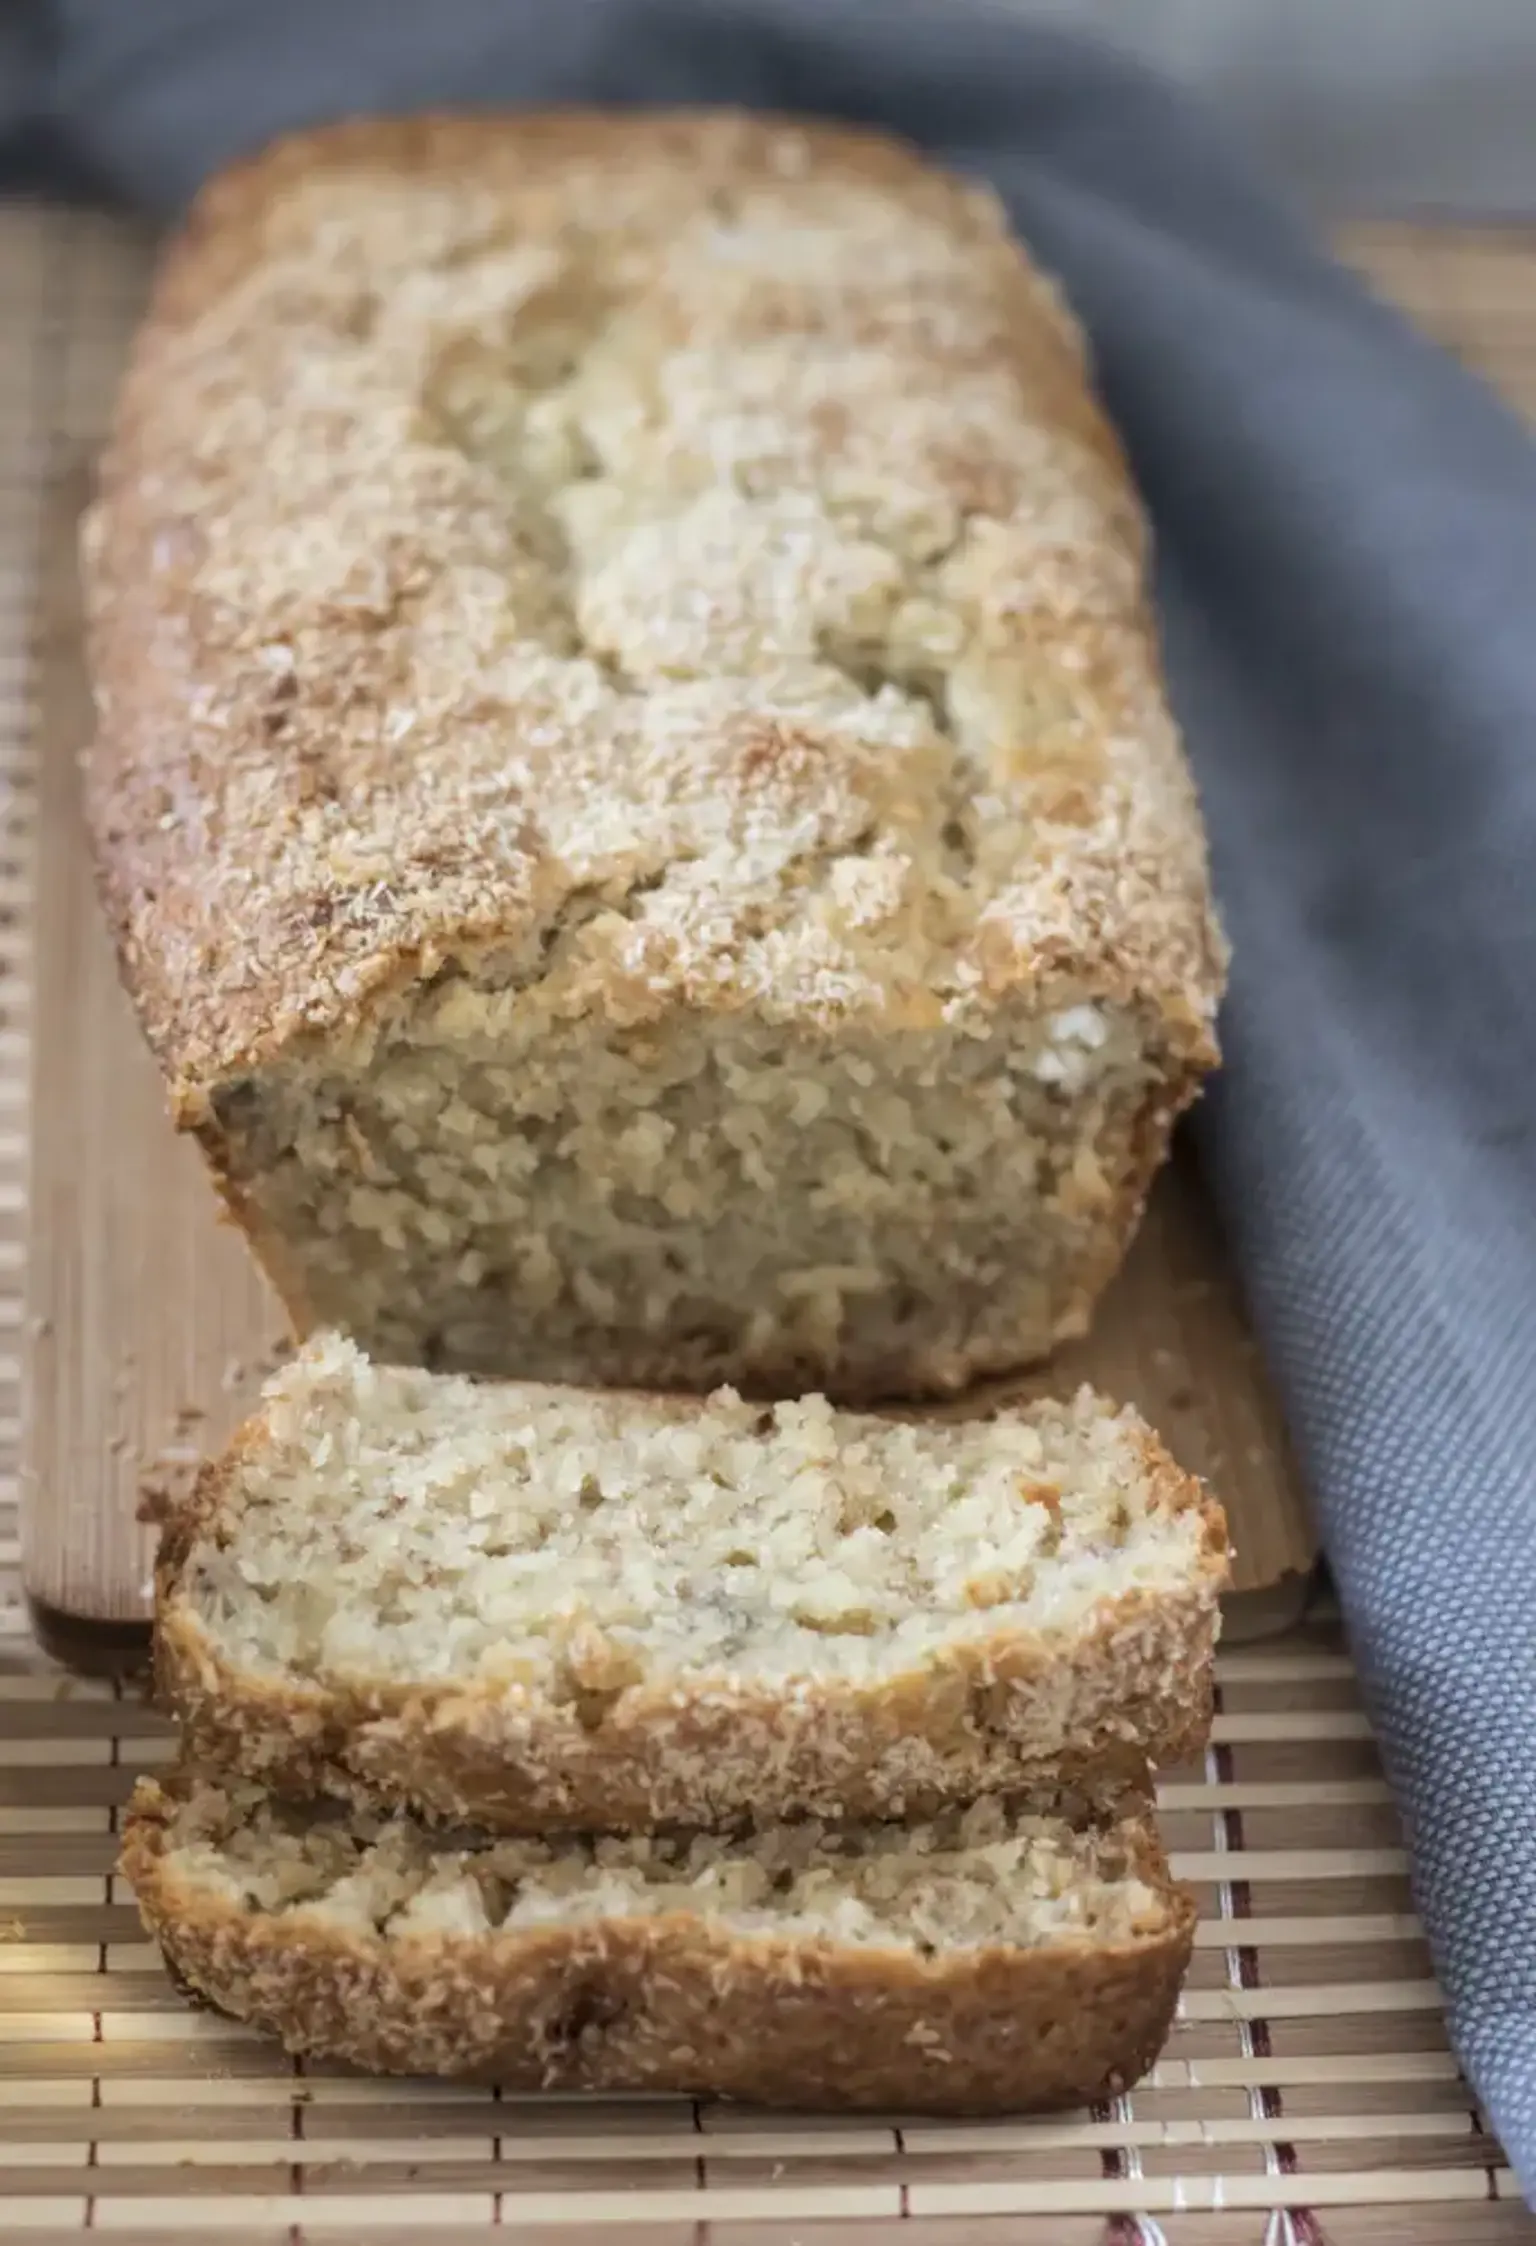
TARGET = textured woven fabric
(1347,529)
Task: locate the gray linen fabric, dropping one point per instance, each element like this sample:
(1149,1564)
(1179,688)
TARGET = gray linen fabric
(1347,530)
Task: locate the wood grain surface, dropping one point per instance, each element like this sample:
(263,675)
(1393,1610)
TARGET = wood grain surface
(147,1320)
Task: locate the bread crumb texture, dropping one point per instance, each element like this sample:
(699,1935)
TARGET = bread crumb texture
(549,1606)
(986,1958)
(633,782)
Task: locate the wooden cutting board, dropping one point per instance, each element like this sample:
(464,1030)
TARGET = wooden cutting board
(148,1325)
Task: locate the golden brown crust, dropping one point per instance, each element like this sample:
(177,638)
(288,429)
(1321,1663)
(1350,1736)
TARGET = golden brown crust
(316,775)
(1014,1711)
(520,1762)
(682,2004)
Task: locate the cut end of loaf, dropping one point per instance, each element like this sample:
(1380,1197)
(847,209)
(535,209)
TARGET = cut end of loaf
(497,1176)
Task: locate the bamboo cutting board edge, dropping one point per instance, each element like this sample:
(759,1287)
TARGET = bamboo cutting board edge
(146,1320)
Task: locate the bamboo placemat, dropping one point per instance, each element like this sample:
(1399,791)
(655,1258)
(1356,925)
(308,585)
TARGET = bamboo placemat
(1307,2094)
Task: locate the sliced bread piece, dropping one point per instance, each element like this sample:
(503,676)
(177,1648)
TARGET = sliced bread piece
(553,1609)
(989,1960)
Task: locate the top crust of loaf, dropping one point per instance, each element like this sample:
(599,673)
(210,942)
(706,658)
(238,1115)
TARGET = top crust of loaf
(699,517)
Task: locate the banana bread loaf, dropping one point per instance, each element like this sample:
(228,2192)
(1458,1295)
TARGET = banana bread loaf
(546,1609)
(633,785)
(986,1961)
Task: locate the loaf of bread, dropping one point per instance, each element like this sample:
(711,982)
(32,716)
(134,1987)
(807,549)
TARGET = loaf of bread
(985,1961)
(633,785)
(553,1609)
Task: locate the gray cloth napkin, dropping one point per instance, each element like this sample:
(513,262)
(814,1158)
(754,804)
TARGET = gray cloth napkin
(1347,530)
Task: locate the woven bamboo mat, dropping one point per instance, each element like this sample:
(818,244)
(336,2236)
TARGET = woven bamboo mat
(1307,2096)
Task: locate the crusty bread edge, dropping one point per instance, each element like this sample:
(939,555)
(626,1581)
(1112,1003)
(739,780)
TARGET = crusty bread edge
(724,1748)
(678,2003)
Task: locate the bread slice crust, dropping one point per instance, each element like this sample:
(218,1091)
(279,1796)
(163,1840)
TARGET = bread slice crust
(616,1737)
(680,2001)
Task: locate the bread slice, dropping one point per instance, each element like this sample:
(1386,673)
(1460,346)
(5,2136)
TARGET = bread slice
(550,1609)
(988,1960)
(633,787)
